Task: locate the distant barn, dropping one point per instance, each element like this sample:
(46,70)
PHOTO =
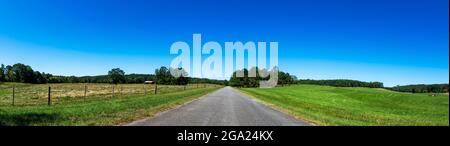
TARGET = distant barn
(149,82)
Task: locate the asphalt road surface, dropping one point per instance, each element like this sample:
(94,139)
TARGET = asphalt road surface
(225,107)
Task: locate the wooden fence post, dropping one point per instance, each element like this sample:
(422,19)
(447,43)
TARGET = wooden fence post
(113,90)
(85,91)
(49,102)
(156,88)
(13,95)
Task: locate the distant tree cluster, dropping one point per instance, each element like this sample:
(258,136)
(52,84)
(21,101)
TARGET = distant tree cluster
(25,74)
(342,83)
(247,81)
(22,73)
(422,88)
(164,76)
(207,81)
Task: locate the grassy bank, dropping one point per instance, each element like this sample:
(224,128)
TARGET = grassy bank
(98,111)
(325,105)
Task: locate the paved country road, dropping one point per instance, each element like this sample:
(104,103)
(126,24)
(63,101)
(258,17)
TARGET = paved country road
(225,107)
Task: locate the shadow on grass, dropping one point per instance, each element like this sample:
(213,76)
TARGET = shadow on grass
(27,119)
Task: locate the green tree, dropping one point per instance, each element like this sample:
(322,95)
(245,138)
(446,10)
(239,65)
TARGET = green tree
(40,78)
(163,75)
(285,78)
(2,73)
(21,73)
(116,76)
(9,74)
(181,76)
(237,81)
(261,75)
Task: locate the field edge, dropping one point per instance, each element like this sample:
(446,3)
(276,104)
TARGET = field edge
(277,108)
(317,122)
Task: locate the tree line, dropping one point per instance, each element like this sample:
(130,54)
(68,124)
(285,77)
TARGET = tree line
(422,88)
(342,83)
(25,74)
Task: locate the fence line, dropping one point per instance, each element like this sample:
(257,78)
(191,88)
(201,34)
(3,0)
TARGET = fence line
(27,94)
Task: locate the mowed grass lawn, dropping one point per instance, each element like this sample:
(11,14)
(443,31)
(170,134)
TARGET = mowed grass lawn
(325,105)
(98,110)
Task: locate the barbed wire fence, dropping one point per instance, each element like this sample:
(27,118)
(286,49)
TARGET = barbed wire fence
(51,94)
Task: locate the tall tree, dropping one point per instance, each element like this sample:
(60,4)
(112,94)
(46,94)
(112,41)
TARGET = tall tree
(181,76)
(261,75)
(163,76)
(116,76)
(2,73)
(9,74)
(21,73)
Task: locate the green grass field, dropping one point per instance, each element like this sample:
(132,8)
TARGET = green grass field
(96,109)
(325,105)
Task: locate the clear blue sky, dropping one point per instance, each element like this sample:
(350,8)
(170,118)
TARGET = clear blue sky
(393,41)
